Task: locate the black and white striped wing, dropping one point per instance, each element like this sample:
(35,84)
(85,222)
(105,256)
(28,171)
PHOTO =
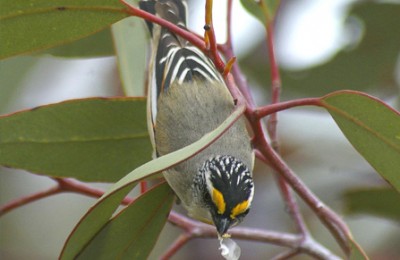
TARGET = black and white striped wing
(175,60)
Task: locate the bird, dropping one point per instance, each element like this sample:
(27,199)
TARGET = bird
(188,98)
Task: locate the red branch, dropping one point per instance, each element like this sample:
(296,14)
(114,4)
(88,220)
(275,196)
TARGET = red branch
(261,112)
(210,36)
(192,228)
(28,199)
(63,185)
(194,39)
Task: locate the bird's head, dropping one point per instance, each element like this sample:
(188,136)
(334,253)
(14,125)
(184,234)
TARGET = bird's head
(229,191)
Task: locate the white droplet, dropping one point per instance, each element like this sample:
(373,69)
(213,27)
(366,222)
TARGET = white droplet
(229,249)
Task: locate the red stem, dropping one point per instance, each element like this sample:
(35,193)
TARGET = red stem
(28,199)
(229,24)
(178,244)
(276,85)
(195,228)
(214,54)
(261,112)
(194,39)
(333,222)
(239,79)
(63,185)
(143,187)
(284,188)
(71,185)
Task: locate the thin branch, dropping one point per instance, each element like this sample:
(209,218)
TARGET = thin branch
(71,185)
(211,39)
(263,111)
(29,199)
(176,245)
(276,84)
(198,229)
(286,191)
(239,79)
(229,23)
(143,187)
(191,37)
(292,206)
(328,217)
(193,228)
(286,255)
(63,185)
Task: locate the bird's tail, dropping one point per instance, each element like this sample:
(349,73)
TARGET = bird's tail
(173,11)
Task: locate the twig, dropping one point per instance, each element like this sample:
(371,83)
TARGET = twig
(211,39)
(196,229)
(63,185)
(286,255)
(178,244)
(71,185)
(276,84)
(194,39)
(227,51)
(28,199)
(272,123)
(143,187)
(328,217)
(261,112)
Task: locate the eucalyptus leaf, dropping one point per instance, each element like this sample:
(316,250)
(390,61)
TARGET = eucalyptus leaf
(131,41)
(95,139)
(382,202)
(372,127)
(132,233)
(99,44)
(28,26)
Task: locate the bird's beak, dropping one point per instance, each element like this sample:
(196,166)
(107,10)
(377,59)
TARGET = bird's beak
(222,225)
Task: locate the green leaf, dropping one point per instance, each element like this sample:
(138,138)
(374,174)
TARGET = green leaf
(96,45)
(27,26)
(263,10)
(92,222)
(382,202)
(133,233)
(131,42)
(372,127)
(95,139)
(100,213)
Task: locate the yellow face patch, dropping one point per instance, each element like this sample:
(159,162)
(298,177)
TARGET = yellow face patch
(219,201)
(239,209)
